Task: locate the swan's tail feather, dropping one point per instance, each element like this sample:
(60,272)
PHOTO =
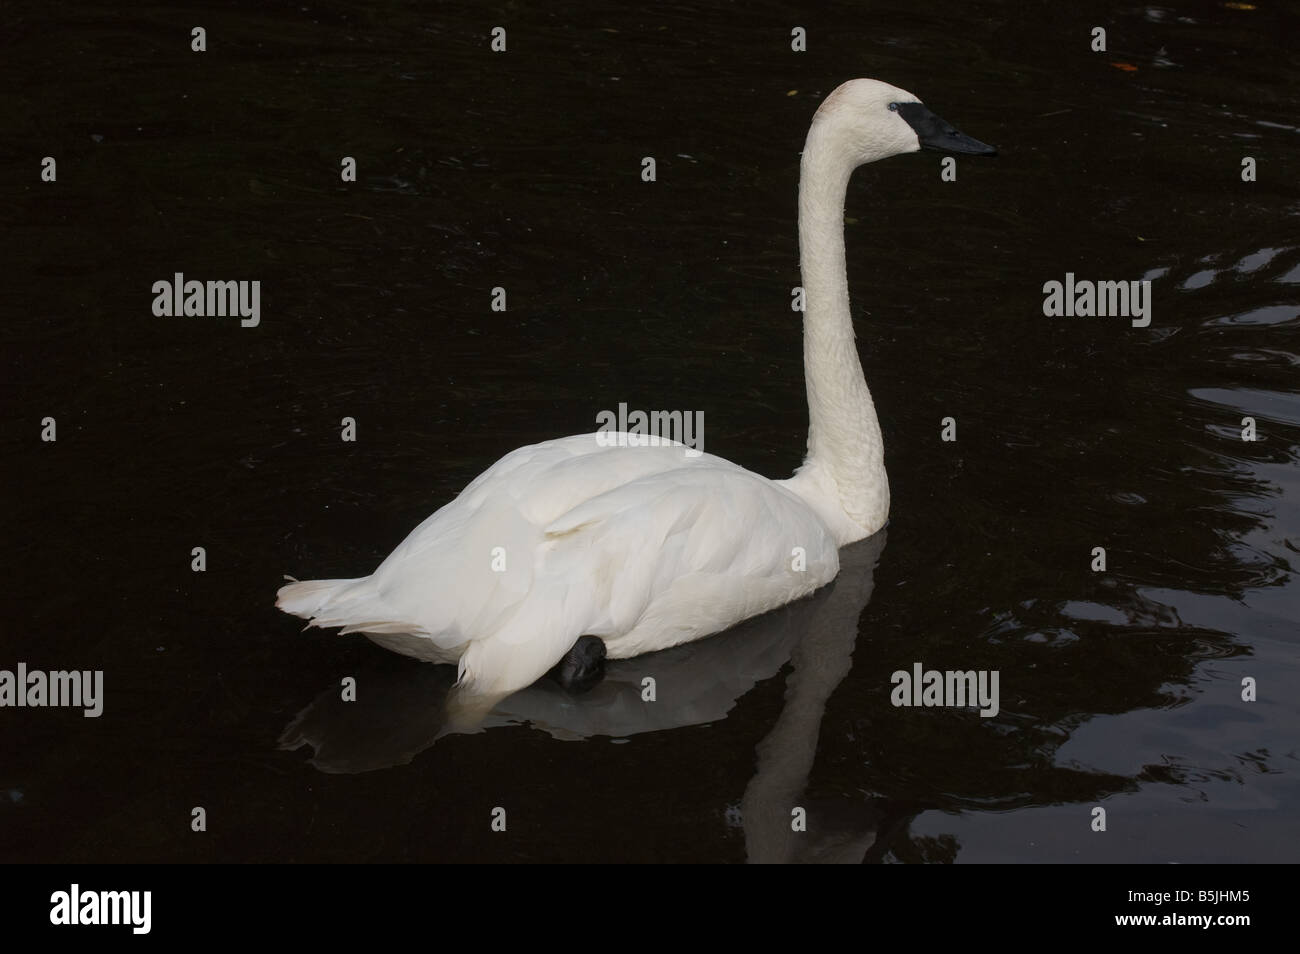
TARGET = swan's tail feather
(381,626)
(346,603)
(308,598)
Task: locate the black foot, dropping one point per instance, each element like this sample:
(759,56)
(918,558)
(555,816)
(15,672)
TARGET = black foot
(582,667)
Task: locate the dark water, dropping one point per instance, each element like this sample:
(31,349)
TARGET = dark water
(1120,688)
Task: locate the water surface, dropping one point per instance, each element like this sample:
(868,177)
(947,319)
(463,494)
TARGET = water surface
(521,170)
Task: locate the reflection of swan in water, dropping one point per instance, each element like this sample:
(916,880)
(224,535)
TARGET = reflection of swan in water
(820,661)
(400,712)
(401,709)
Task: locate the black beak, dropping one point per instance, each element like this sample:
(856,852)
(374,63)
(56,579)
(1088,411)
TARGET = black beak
(935,133)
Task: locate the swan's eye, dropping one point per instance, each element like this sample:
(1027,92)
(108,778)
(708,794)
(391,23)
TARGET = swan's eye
(893,107)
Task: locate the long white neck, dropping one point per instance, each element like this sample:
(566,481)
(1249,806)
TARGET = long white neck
(846,458)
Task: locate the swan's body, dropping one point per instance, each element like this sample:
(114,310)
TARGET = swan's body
(650,547)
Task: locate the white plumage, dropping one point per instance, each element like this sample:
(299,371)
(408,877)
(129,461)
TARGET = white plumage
(648,547)
(645,547)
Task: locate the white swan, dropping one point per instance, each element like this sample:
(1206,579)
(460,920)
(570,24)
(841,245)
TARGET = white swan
(649,547)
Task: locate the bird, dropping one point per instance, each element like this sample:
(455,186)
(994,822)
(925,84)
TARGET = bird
(603,545)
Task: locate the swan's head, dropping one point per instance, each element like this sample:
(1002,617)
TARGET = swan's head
(870,120)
